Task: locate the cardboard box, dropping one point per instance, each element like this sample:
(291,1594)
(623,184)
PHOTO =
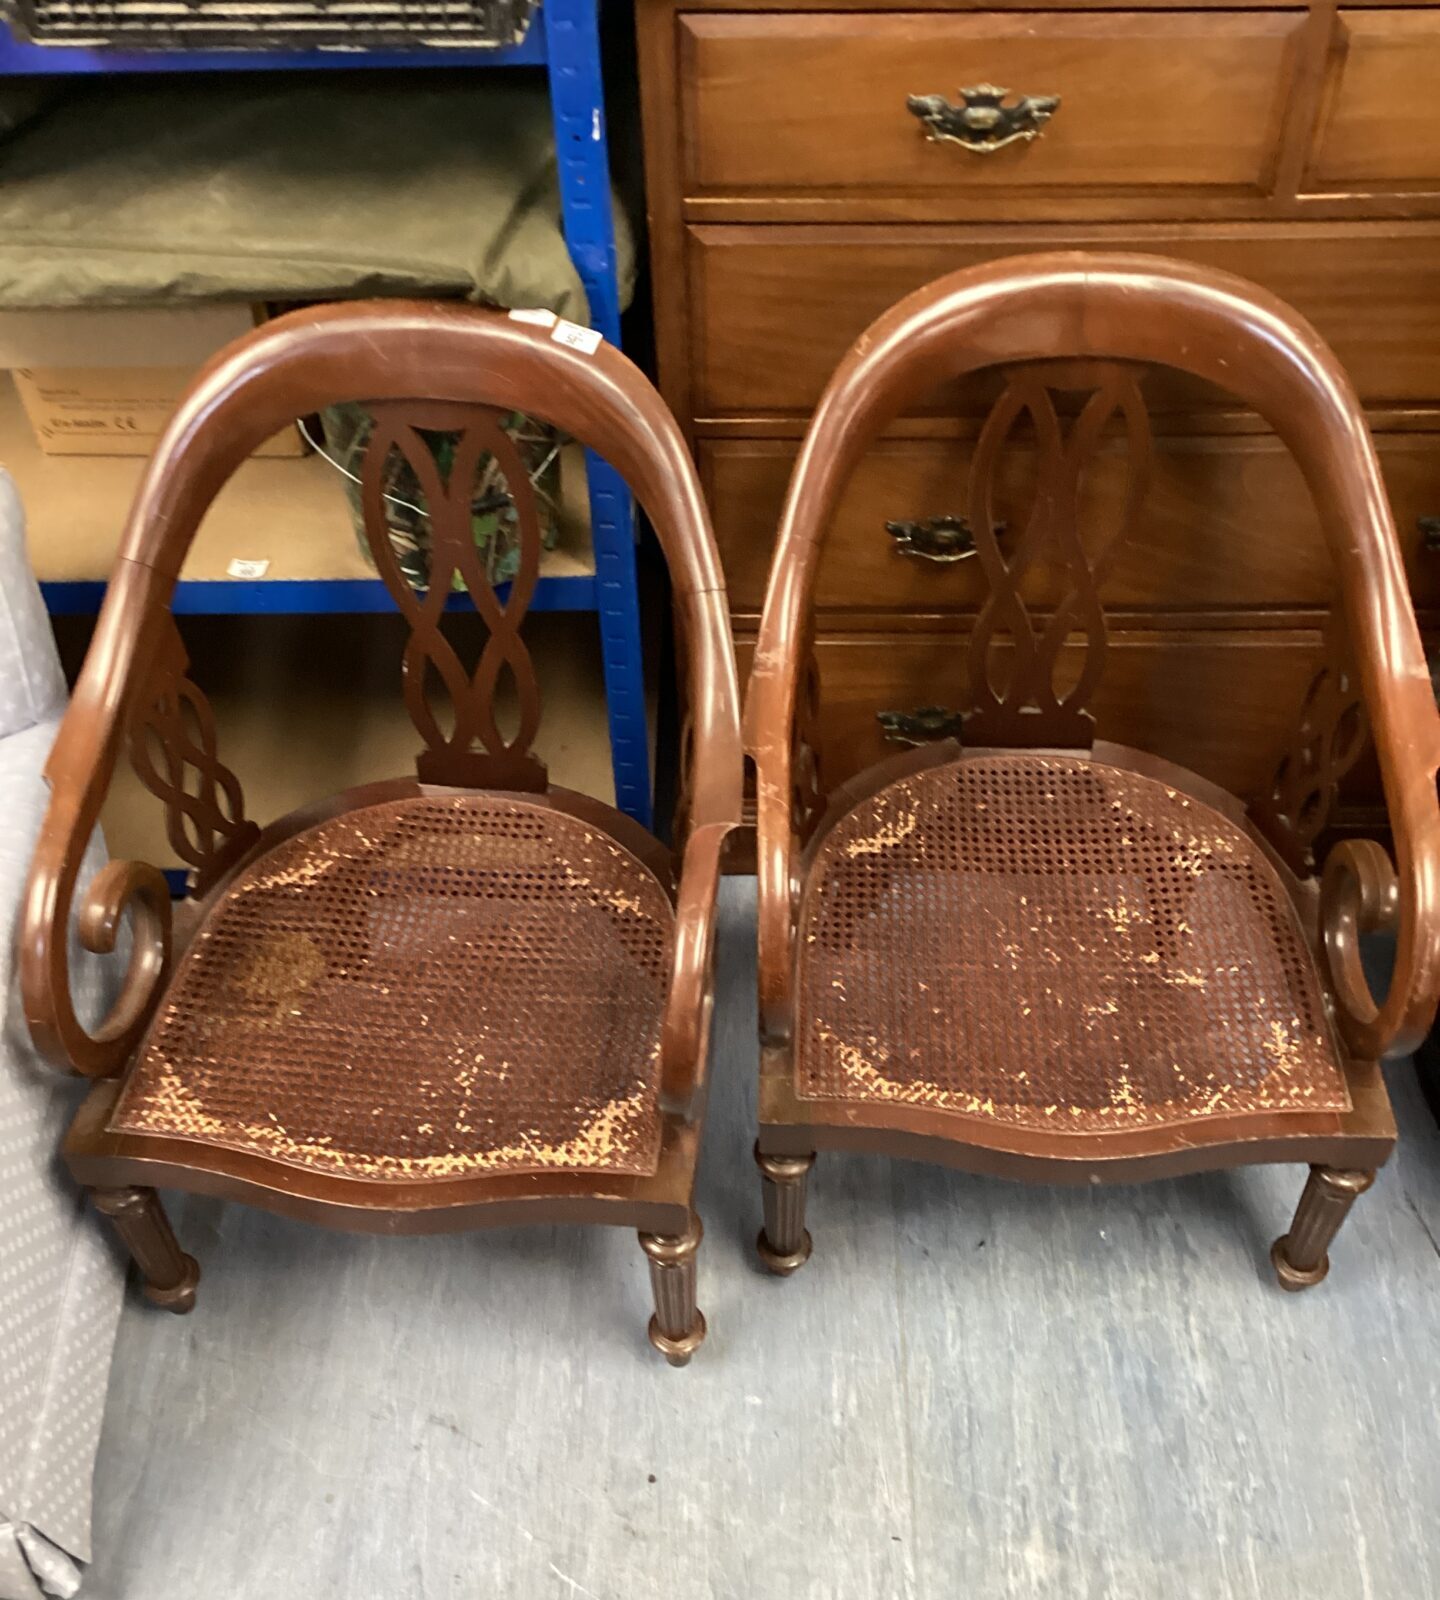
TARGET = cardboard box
(101,382)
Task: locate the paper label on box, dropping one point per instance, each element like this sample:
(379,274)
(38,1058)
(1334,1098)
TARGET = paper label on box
(247,569)
(586,340)
(537,316)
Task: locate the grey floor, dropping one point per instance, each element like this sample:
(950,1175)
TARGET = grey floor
(975,1388)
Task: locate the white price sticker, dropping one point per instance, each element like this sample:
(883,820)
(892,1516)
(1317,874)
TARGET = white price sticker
(536,316)
(586,340)
(247,569)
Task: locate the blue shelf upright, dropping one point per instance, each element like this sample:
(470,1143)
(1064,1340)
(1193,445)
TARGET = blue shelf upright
(577,104)
(564,38)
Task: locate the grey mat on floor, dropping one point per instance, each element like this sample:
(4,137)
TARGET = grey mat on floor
(975,1388)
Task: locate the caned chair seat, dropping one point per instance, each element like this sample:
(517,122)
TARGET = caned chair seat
(431,987)
(1055,944)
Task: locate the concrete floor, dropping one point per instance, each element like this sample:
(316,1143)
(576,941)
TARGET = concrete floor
(975,1389)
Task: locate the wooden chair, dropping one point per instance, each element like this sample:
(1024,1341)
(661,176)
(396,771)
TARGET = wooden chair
(1023,951)
(435,1002)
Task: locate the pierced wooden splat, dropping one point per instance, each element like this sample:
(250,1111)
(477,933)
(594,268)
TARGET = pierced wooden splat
(1330,735)
(173,748)
(475,753)
(1023,706)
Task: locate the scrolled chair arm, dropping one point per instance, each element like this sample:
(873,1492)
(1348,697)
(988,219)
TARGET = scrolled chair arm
(713,784)
(118,888)
(79,771)
(1361,892)
(685,1029)
(777,851)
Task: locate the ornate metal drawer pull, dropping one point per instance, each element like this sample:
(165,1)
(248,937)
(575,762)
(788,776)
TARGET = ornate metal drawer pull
(1429,530)
(940,539)
(921,725)
(981,122)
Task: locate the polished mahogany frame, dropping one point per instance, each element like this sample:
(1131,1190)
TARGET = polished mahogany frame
(417,367)
(1090,322)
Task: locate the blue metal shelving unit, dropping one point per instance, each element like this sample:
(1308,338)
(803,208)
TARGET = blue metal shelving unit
(564,38)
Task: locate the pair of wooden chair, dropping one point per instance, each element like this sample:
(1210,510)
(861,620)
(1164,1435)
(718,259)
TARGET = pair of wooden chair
(468,997)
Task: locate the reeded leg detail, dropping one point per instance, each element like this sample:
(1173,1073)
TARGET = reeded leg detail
(677,1329)
(1300,1258)
(784,1243)
(138,1217)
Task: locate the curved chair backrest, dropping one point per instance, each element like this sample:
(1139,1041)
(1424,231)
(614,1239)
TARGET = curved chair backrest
(416,367)
(1104,314)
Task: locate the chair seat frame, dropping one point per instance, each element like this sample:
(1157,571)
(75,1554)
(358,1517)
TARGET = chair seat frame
(103,1157)
(792,1125)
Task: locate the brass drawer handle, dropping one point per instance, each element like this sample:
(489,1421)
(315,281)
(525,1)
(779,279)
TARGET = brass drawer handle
(981,122)
(921,725)
(1429,531)
(939,539)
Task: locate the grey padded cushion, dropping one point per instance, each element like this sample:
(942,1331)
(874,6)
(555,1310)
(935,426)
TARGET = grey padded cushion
(32,688)
(279,187)
(60,1283)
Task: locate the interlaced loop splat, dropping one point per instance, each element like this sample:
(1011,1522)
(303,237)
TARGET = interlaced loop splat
(454,758)
(1030,709)
(1330,736)
(174,751)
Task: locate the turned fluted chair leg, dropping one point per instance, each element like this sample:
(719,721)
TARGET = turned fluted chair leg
(784,1243)
(677,1329)
(138,1217)
(1300,1257)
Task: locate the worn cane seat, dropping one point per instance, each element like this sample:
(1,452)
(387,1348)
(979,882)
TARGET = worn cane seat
(431,987)
(1054,944)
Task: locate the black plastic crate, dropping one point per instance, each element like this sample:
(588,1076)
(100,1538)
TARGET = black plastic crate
(271,24)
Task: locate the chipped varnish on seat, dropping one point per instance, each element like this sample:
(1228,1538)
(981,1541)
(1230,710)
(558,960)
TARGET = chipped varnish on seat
(432,987)
(1057,945)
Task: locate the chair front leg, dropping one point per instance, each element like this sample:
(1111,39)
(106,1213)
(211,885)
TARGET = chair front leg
(1300,1258)
(169,1275)
(677,1329)
(784,1241)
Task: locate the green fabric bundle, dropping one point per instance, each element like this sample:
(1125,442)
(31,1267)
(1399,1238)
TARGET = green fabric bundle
(278,187)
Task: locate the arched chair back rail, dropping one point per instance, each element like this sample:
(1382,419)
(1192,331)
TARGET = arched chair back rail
(927,929)
(517,977)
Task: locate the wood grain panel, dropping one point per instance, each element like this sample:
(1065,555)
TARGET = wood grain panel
(789,102)
(1381,124)
(1220,704)
(1228,524)
(774,308)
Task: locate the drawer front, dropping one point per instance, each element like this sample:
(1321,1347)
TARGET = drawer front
(774,308)
(804,102)
(1220,704)
(1228,523)
(1381,125)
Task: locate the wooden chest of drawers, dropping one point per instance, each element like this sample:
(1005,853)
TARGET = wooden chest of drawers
(794,195)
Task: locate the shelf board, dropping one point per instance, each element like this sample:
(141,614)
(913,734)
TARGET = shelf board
(17,56)
(293,513)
